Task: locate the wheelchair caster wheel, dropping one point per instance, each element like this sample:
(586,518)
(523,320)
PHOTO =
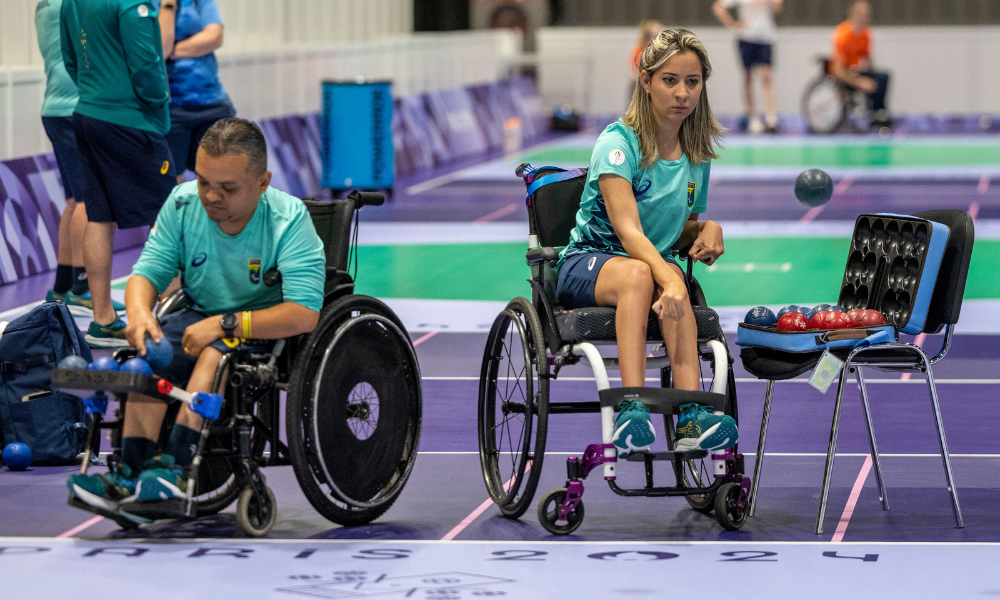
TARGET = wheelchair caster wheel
(728,512)
(256,515)
(548,513)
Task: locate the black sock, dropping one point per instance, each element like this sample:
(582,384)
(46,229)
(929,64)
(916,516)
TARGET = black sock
(136,451)
(64,279)
(81,285)
(182,444)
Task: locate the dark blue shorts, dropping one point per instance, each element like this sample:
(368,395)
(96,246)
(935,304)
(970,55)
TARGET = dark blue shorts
(578,278)
(180,368)
(188,125)
(753,53)
(63,138)
(127,173)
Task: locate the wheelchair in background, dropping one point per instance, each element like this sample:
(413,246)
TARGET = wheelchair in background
(531,340)
(352,411)
(829,105)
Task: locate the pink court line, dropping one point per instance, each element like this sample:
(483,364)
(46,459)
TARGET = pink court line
(842,185)
(80,527)
(984,184)
(424,338)
(497,214)
(811,214)
(974,210)
(457,529)
(919,341)
(852,501)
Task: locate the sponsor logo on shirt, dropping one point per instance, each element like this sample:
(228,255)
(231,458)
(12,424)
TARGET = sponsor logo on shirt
(166,164)
(591,263)
(616,157)
(143,10)
(640,191)
(691,190)
(254,270)
(199,259)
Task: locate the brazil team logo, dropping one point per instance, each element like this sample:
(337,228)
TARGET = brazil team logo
(254,271)
(691,190)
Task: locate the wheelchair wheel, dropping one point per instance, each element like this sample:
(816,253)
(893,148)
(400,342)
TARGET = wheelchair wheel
(823,106)
(697,474)
(513,408)
(354,411)
(728,512)
(548,513)
(256,514)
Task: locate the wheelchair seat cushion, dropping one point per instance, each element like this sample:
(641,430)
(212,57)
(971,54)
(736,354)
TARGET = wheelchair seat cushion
(597,324)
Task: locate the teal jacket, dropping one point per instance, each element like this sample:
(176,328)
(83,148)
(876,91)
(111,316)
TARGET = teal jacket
(112,51)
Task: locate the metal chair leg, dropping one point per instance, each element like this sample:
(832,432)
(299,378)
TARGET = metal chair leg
(945,456)
(871,439)
(760,446)
(831,451)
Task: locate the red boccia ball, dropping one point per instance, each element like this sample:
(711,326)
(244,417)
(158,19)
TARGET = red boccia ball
(818,319)
(872,318)
(855,314)
(793,321)
(839,320)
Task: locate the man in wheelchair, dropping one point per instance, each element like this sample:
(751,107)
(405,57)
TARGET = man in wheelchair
(222,233)
(851,61)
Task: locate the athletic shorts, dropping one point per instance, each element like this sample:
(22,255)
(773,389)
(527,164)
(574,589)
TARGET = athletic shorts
(754,53)
(578,279)
(188,125)
(127,173)
(178,372)
(63,138)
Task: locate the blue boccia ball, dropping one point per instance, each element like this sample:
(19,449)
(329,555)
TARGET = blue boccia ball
(136,365)
(17,456)
(73,362)
(105,363)
(760,315)
(821,308)
(159,355)
(813,187)
(787,309)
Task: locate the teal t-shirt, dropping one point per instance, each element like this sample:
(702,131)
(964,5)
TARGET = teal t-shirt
(667,193)
(223,273)
(112,50)
(60,91)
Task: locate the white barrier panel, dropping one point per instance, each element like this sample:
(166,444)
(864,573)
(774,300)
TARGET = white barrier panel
(588,67)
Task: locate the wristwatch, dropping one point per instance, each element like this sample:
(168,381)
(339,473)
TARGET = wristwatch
(229,321)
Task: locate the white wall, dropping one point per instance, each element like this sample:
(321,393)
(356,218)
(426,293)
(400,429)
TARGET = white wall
(588,67)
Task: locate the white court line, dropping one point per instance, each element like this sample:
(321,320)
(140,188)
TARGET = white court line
(748,380)
(748,453)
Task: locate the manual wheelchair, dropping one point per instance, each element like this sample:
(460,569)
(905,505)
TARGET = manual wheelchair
(352,409)
(531,340)
(830,105)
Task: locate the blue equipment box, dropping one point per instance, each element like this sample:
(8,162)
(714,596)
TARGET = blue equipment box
(892,267)
(356,132)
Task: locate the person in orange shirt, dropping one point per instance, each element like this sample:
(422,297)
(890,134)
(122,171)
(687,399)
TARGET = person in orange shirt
(648,30)
(852,60)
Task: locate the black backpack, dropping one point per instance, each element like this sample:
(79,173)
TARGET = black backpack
(51,423)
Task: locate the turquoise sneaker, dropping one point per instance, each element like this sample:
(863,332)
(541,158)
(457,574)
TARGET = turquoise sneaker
(105,491)
(699,428)
(107,336)
(83,305)
(633,430)
(160,480)
(52,296)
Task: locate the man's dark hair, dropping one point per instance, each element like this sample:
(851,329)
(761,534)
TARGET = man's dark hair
(235,137)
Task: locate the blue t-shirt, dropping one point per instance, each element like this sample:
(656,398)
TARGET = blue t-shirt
(223,273)
(195,81)
(667,192)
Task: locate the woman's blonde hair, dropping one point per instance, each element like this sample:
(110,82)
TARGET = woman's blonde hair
(700,131)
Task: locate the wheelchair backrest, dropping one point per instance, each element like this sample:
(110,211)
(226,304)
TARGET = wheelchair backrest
(553,200)
(946,300)
(333,225)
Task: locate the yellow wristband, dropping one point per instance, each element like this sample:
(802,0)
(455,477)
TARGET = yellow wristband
(246,325)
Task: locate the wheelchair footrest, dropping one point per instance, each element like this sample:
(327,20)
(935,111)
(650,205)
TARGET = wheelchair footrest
(175,508)
(664,401)
(689,455)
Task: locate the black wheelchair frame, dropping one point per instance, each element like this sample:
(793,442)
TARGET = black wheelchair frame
(352,384)
(548,340)
(849,101)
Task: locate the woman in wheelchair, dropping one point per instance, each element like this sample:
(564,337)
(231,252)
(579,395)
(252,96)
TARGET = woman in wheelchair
(222,233)
(646,186)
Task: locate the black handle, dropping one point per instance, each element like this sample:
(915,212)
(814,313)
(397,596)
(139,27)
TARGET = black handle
(519,171)
(366,198)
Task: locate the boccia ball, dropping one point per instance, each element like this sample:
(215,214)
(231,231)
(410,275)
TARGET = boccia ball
(73,362)
(760,315)
(105,363)
(839,320)
(821,308)
(872,318)
(17,456)
(793,321)
(159,355)
(813,187)
(136,365)
(787,309)
(855,314)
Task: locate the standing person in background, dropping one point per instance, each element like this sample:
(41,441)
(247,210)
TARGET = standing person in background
(648,30)
(852,61)
(114,54)
(756,32)
(71,285)
(192,32)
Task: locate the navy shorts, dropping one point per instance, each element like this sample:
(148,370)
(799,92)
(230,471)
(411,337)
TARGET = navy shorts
(63,138)
(188,125)
(127,173)
(578,278)
(753,53)
(180,368)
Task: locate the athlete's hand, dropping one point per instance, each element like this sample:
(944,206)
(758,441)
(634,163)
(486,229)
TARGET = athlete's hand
(708,246)
(673,300)
(867,84)
(140,324)
(201,334)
